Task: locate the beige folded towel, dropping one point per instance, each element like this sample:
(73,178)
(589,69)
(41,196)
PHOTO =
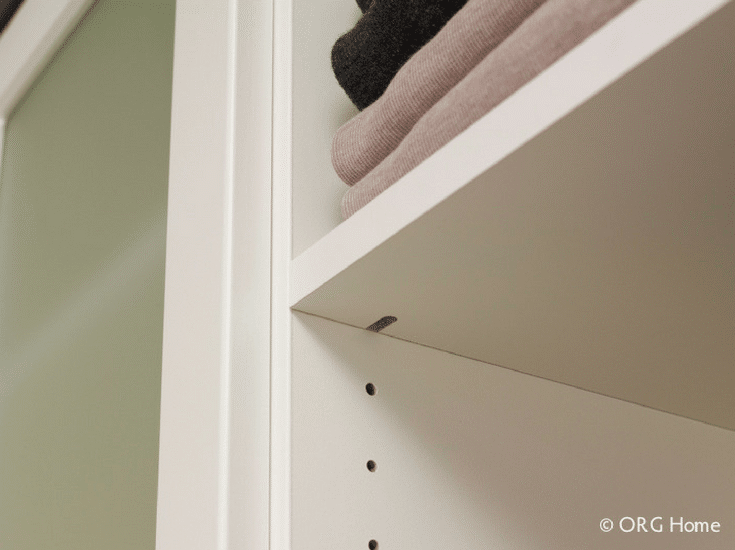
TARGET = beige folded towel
(465,40)
(551,31)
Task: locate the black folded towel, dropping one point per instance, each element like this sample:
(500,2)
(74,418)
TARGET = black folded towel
(366,58)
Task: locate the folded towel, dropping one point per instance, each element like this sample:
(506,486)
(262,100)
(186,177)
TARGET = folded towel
(366,58)
(551,31)
(465,41)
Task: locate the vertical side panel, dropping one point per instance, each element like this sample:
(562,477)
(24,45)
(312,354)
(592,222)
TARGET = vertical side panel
(214,450)
(195,359)
(192,489)
(280,504)
(251,272)
(472,456)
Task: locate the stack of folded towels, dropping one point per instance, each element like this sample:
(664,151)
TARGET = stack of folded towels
(422,71)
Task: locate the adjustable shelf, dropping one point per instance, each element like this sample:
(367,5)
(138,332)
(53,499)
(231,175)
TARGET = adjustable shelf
(581,232)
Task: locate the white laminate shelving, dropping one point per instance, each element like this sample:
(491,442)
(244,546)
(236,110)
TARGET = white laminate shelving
(581,232)
(475,457)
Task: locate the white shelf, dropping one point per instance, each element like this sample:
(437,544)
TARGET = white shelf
(581,232)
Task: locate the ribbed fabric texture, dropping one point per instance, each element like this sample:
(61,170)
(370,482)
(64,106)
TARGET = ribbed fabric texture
(551,31)
(363,142)
(366,58)
(364,5)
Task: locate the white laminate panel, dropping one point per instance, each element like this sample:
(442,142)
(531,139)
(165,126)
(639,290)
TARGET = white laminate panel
(320,106)
(474,456)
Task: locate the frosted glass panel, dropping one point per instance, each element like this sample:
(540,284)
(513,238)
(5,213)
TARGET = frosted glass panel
(82,239)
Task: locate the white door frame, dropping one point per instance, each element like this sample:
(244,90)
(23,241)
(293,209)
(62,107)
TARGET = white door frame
(215,442)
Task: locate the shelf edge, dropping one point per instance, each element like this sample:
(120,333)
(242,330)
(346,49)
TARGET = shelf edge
(625,42)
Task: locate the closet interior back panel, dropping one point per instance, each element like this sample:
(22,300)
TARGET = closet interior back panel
(473,456)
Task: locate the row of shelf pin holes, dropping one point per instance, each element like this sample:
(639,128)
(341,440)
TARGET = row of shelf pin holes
(371,390)
(371,465)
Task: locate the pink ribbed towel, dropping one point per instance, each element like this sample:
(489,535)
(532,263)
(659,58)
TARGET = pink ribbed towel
(363,142)
(551,31)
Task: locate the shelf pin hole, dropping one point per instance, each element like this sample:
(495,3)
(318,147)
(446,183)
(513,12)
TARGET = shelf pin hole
(383,322)
(370,388)
(373,545)
(371,465)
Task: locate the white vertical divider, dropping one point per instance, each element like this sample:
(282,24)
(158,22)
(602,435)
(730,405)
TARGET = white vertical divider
(195,335)
(280,507)
(249,456)
(213,487)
